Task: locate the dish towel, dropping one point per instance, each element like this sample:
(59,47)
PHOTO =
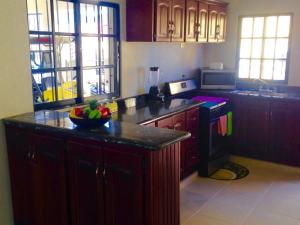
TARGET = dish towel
(229,124)
(222,125)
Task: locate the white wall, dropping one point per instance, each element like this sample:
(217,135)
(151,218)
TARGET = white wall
(15,84)
(227,52)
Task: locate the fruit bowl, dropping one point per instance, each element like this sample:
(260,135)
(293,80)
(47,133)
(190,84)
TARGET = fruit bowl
(93,115)
(85,122)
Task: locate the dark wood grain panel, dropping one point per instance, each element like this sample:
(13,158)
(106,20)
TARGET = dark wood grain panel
(139,17)
(162,184)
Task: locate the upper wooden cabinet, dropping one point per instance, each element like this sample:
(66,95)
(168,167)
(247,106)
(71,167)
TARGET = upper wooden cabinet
(163,20)
(196,21)
(176,20)
(191,20)
(169,20)
(217,22)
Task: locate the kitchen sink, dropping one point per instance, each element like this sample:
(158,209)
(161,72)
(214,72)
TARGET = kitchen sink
(263,93)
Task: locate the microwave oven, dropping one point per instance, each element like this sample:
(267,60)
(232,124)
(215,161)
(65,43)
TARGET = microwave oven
(218,79)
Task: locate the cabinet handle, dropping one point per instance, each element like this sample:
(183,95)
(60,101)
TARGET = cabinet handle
(33,156)
(97,171)
(104,173)
(193,119)
(218,30)
(177,125)
(29,155)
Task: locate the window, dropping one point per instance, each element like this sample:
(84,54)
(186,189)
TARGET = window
(74,51)
(264,47)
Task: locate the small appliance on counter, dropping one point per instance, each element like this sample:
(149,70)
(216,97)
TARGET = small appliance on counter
(218,79)
(154,92)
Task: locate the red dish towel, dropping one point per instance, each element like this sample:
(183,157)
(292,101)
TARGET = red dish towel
(222,125)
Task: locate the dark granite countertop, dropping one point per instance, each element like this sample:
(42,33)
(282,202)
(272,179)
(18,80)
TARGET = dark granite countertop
(283,96)
(155,110)
(113,132)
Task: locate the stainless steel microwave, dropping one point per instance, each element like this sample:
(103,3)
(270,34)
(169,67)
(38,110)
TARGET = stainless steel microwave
(218,79)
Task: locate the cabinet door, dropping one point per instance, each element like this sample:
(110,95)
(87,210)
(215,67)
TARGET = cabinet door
(49,153)
(257,127)
(239,124)
(255,122)
(213,22)
(192,125)
(123,188)
(163,19)
(179,124)
(202,22)
(24,176)
(191,146)
(221,26)
(178,20)
(285,133)
(191,21)
(86,184)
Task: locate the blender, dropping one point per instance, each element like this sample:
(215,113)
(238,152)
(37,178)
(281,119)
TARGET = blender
(154,92)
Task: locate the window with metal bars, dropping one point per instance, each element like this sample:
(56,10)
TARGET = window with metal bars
(74,51)
(264,47)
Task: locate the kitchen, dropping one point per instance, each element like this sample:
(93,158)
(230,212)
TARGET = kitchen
(174,60)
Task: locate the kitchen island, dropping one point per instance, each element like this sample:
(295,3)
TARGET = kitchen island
(119,174)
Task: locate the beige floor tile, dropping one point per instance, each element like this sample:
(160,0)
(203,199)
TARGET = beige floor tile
(269,218)
(270,194)
(229,206)
(200,219)
(190,203)
(282,204)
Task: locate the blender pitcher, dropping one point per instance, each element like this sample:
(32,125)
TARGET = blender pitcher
(154,92)
(154,81)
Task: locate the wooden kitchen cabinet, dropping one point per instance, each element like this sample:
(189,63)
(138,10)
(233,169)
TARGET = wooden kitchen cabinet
(189,152)
(86,184)
(163,20)
(285,133)
(176,20)
(37,171)
(159,20)
(196,21)
(251,126)
(61,179)
(106,185)
(202,27)
(217,22)
(191,20)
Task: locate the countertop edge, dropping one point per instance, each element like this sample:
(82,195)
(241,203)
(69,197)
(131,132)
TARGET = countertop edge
(151,147)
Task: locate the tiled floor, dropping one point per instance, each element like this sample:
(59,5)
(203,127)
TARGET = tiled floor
(269,195)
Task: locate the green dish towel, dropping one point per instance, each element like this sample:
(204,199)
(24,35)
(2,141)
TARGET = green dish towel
(229,124)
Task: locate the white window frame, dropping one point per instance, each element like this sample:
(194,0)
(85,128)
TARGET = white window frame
(264,37)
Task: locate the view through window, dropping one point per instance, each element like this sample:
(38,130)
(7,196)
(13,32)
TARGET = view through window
(264,47)
(74,50)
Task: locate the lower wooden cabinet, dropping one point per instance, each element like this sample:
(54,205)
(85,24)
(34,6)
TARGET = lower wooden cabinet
(189,152)
(37,171)
(267,129)
(251,126)
(66,181)
(285,133)
(106,185)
